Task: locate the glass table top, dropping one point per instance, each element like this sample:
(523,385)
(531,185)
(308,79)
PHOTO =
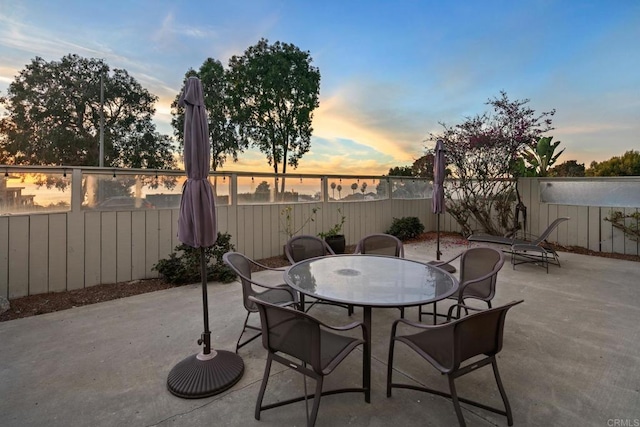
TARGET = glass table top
(371,280)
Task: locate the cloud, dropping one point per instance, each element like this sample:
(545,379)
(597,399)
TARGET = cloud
(338,118)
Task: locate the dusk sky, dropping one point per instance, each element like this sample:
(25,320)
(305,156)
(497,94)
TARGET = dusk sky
(390,70)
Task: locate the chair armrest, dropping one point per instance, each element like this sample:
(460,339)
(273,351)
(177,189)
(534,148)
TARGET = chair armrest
(413,324)
(530,247)
(268,268)
(344,327)
(280,287)
(466,307)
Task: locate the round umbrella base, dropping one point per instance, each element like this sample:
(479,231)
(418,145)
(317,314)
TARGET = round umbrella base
(203,375)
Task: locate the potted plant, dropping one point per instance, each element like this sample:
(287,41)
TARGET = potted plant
(333,237)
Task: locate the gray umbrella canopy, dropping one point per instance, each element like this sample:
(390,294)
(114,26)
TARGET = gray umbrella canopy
(197,221)
(437,200)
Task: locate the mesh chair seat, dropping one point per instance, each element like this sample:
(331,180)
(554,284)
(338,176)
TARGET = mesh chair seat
(447,346)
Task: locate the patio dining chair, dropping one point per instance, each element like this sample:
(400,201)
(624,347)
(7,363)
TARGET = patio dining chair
(305,246)
(479,267)
(281,294)
(448,345)
(381,244)
(303,343)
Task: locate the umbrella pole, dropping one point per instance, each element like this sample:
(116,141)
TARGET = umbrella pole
(438,253)
(206,335)
(446,267)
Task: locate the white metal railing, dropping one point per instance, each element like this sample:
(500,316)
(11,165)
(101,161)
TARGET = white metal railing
(36,189)
(64,228)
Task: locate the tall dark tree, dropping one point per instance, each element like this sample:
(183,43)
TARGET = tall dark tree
(481,152)
(423,167)
(274,90)
(401,171)
(221,131)
(54,117)
(568,168)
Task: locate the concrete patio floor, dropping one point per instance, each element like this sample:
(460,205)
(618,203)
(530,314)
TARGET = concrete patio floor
(571,356)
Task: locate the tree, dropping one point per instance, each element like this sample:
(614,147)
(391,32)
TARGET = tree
(262,192)
(481,152)
(568,168)
(53,117)
(542,156)
(354,187)
(626,165)
(423,167)
(401,171)
(273,91)
(216,99)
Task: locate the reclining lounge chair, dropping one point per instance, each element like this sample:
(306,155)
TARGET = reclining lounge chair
(537,250)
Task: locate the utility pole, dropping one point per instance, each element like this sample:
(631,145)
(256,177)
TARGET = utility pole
(101,120)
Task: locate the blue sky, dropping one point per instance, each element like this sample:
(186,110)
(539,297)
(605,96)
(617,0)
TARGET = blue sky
(390,70)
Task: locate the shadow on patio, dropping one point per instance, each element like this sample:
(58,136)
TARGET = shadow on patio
(570,357)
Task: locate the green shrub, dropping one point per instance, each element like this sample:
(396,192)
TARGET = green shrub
(183,265)
(406,228)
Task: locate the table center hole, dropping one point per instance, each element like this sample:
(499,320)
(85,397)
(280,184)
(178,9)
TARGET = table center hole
(348,272)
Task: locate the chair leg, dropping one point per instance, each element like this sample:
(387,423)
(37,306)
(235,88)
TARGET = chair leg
(392,344)
(316,403)
(244,328)
(263,386)
(503,393)
(456,403)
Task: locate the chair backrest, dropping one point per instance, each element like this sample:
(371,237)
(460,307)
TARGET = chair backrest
(548,231)
(305,246)
(241,265)
(291,332)
(479,333)
(476,263)
(380,244)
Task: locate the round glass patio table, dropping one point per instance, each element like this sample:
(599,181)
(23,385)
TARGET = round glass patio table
(370,281)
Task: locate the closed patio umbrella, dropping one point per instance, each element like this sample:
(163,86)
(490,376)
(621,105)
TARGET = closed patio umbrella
(437,199)
(211,371)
